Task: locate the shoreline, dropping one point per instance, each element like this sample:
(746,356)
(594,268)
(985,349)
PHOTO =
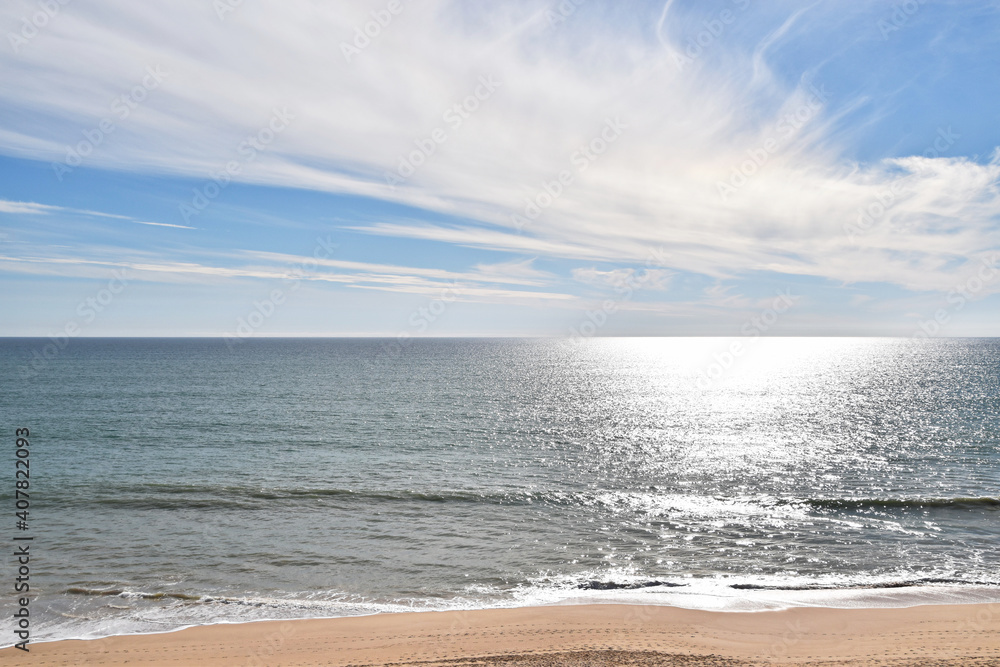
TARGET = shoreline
(649,634)
(752,600)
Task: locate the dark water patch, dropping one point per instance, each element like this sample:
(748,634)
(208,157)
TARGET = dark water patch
(924,581)
(614,585)
(849,504)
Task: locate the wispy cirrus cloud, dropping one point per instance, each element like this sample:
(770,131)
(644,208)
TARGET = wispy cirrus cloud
(485,284)
(161,224)
(648,279)
(26,208)
(728,165)
(34,208)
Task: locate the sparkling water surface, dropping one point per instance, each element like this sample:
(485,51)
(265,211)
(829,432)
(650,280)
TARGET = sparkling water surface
(181,481)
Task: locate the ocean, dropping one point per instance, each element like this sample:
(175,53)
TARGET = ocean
(188,481)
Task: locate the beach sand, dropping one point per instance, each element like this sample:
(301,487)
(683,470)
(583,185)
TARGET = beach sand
(580,635)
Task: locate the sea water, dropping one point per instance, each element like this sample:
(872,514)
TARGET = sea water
(185,481)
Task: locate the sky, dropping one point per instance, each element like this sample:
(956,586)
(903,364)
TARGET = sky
(525,168)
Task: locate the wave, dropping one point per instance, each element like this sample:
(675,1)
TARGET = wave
(159,496)
(184,597)
(175,496)
(591,581)
(695,585)
(628,585)
(75,590)
(915,503)
(333,605)
(906,583)
(140,612)
(796,584)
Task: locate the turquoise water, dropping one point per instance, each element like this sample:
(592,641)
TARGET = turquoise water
(183,481)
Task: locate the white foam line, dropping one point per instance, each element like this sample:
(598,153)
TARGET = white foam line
(824,598)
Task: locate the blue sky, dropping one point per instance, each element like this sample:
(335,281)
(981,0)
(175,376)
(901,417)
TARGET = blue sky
(520,168)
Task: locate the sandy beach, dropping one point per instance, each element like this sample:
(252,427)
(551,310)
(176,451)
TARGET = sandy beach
(565,635)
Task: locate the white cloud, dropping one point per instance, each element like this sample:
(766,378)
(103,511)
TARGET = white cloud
(517,270)
(656,186)
(29,208)
(161,224)
(32,208)
(508,283)
(646,279)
